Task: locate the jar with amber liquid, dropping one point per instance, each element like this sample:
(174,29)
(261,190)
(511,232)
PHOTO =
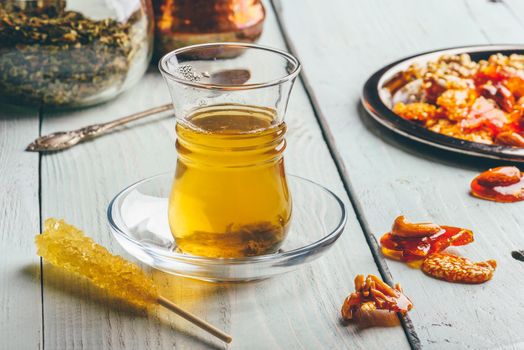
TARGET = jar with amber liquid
(180,23)
(229,197)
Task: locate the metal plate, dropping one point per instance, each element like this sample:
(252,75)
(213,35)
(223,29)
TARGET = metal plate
(375,99)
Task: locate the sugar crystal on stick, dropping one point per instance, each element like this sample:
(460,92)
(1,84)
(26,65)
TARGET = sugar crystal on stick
(65,246)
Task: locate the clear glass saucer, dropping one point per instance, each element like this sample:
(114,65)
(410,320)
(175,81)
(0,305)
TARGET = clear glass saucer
(138,220)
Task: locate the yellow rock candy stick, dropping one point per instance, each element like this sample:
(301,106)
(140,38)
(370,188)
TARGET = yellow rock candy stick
(65,246)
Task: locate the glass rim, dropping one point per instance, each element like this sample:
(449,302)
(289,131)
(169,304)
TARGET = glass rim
(162,66)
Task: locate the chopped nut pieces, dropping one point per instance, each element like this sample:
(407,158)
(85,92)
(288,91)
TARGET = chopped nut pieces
(502,184)
(372,293)
(412,242)
(453,268)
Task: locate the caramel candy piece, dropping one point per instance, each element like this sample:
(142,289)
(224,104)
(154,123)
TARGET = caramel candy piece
(454,268)
(510,138)
(501,176)
(502,184)
(372,293)
(403,228)
(413,242)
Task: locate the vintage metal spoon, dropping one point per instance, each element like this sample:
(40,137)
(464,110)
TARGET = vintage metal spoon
(61,140)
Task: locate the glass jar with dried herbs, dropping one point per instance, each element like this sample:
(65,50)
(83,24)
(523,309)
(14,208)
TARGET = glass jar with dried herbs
(70,53)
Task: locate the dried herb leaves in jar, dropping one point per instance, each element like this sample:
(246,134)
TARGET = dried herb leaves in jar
(51,56)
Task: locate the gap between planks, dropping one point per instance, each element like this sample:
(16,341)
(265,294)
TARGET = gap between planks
(407,325)
(40,219)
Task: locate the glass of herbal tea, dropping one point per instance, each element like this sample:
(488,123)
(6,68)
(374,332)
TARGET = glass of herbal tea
(230,196)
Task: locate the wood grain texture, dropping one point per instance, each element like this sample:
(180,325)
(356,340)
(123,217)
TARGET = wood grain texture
(390,175)
(20,297)
(295,311)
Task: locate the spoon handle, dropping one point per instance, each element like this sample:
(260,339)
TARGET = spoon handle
(136,116)
(66,139)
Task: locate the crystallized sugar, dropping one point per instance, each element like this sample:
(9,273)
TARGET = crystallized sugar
(67,247)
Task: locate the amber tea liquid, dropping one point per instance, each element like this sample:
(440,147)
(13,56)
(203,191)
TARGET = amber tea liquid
(230,196)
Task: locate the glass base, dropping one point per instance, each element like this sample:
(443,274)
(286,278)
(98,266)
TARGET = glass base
(138,220)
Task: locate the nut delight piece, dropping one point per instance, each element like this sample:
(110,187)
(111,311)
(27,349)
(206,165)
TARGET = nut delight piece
(372,294)
(502,184)
(454,268)
(411,242)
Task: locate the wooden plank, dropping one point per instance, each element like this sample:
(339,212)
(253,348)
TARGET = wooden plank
(498,22)
(299,310)
(516,9)
(20,292)
(390,175)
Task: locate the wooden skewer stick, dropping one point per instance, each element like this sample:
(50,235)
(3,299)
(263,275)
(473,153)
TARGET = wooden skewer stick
(195,320)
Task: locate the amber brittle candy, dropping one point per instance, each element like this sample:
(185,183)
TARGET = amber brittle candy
(457,269)
(502,184)
(414,241)
(372,294)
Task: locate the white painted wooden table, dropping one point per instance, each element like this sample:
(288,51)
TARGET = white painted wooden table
(332,141)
